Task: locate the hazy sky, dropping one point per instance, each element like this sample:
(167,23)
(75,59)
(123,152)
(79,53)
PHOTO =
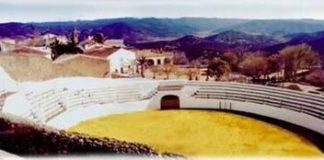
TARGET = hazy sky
(59,10)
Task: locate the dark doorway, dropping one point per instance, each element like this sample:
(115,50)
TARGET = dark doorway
(150,62)
(170,102)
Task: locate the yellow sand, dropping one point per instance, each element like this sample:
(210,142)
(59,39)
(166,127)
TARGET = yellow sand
(203,133)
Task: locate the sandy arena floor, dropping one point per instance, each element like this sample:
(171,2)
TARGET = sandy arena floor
(200,133)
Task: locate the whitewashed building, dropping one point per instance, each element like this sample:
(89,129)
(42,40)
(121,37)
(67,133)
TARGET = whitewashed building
(89,43)
(120,60)
(50,38)
(155,57)
(7,44)
(114,43)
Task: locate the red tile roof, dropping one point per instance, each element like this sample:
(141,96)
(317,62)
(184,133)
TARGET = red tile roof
(27,50)
(101,52)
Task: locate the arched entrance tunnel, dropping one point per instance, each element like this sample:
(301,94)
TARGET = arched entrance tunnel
(170,102)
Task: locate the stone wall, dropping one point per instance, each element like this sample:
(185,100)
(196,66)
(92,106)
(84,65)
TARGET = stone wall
(39,68)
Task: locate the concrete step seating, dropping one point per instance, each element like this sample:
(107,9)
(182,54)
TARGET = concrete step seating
(150,94)
(30,115)
(280,92)
(283,98)
(265,101)
(258,88)
(101,96)
(54,102)
(267,95)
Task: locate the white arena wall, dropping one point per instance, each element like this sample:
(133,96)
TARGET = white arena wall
(64,102)
(298,115)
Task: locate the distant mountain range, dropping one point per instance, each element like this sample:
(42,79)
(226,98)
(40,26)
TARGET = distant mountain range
(147,29)
(195,36)
(315,40)
(239,42)
(212,45)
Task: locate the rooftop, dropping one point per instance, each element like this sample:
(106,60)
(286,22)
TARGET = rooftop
(101,52)
(27,50)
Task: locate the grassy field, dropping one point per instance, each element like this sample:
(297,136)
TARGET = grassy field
(200,133)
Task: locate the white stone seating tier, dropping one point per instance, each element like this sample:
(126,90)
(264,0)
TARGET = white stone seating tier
(50,103)
(310,104)
(45,105)
(83,98)
(54,103)
(149,94)
(148,90)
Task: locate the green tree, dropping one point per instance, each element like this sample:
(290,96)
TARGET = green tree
(275,65)
(179,72)
(167,69)
(316,78)
(99,38)
(58,49)
(232,59)
(192,73)
(154,70)
(208,73)
(141,62)
(217,68)
(254,65)
(296,58)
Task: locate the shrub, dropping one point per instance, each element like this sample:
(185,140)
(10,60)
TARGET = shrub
(316,77)
(294,87)
(25,138)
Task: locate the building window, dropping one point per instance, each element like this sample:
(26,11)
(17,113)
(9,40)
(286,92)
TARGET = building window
(159,61)
(150,62)
(121,70)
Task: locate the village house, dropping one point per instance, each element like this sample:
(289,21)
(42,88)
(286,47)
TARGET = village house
(89,43)
(114,43)
(50,38)
(7,44)
(155,57)
(121,60)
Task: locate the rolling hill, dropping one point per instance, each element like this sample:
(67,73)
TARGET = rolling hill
(157,29)
(279,27)
(213,45)
(315,40)
(197,37)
